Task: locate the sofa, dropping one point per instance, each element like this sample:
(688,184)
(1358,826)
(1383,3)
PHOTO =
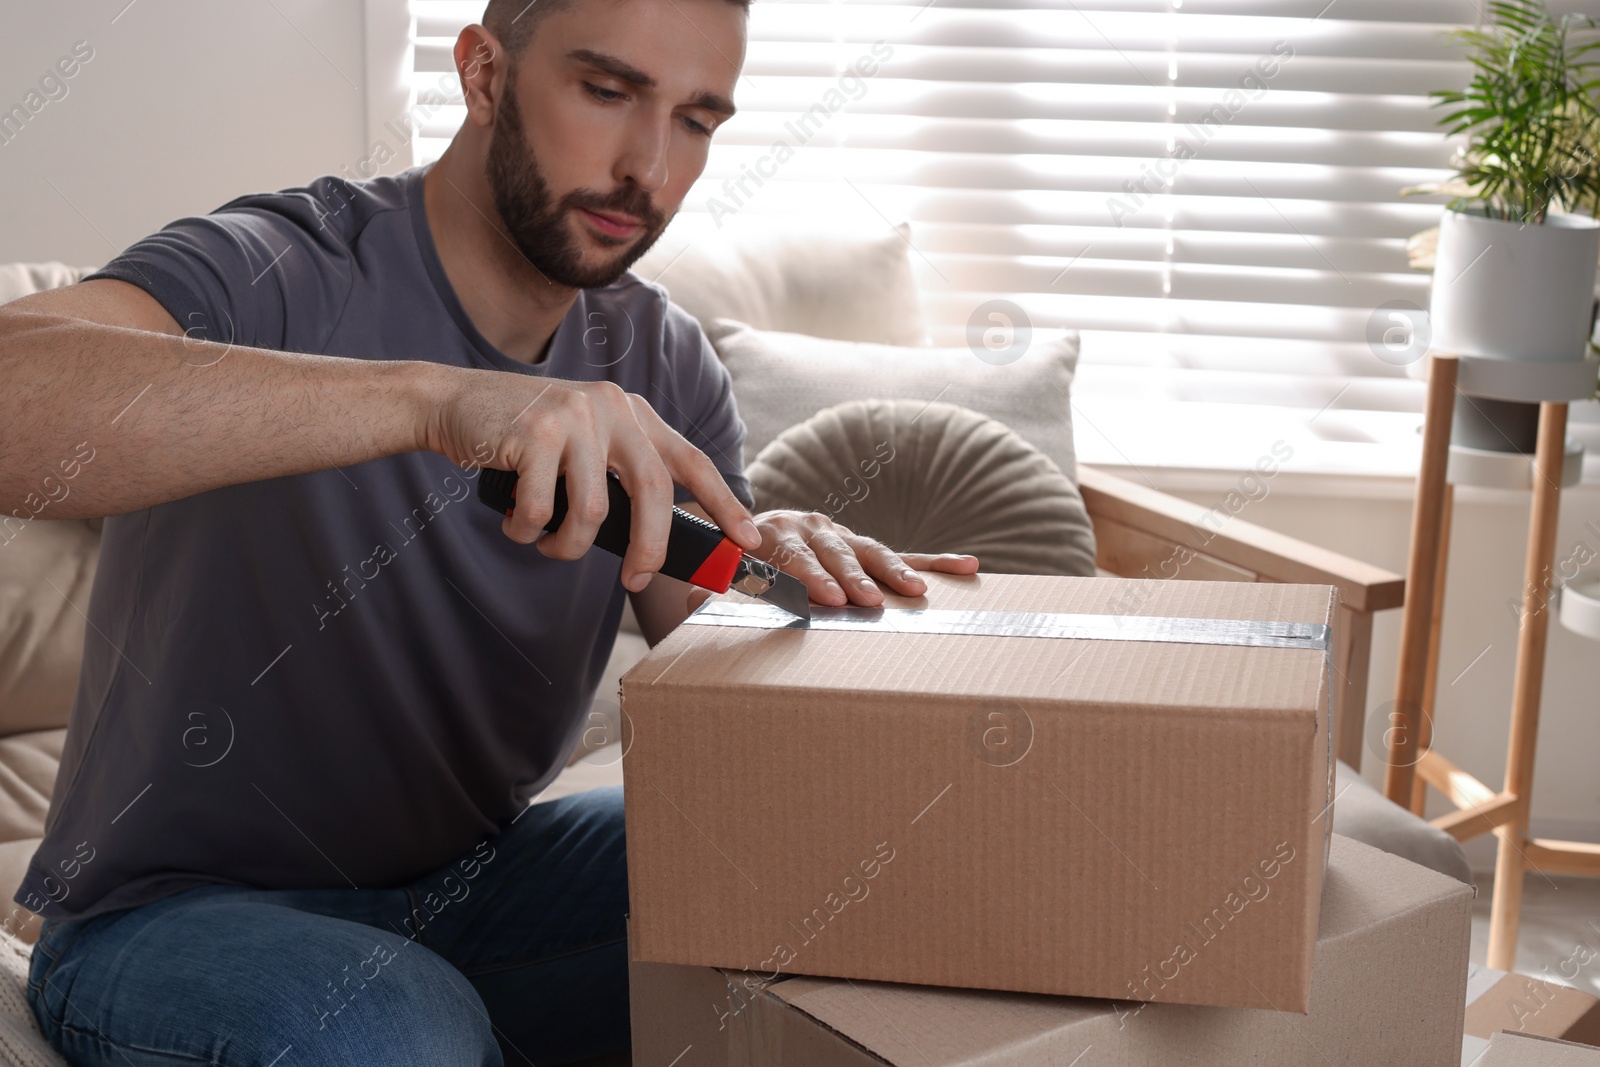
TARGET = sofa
(805,321)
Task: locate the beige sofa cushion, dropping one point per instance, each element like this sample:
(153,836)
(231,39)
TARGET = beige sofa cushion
(782,277)
(20,279)
(46,571)
(28,764)
(27,775)
(780,379)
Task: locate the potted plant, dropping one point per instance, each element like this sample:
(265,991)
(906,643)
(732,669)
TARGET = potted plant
(1514,271)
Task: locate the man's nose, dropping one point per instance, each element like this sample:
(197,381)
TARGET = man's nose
(644,159)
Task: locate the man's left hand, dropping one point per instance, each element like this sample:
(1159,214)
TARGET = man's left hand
(840,566)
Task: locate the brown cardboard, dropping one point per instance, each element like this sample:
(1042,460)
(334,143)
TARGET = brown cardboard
(1521,1004)
(1388,990)
(1525,1050)
(1098,817)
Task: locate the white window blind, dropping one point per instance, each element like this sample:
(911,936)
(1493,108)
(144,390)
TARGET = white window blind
(1208,189)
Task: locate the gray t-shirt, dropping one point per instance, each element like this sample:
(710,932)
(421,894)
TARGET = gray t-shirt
(350,676)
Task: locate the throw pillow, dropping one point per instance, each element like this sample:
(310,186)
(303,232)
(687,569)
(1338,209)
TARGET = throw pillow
(780,379)
(825,284)
(20,279)
(930,477)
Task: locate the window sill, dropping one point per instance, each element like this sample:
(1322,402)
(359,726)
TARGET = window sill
(1188,446)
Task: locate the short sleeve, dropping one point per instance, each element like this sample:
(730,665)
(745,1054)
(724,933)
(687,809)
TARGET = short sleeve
(267,271)
(703,407)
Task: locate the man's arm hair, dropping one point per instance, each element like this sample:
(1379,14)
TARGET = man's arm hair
(101,368)
(112,398)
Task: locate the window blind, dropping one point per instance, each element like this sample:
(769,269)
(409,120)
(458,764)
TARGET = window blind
(1208,189)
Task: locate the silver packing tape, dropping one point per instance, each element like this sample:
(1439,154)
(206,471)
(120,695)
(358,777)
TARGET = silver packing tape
(1255,632)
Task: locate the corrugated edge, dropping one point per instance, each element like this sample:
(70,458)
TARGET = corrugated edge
(1327,706)
(692,639)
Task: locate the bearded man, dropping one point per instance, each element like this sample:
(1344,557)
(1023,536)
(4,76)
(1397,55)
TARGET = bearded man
(320,686)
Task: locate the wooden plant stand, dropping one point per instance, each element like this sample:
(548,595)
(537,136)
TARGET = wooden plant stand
(1413,765)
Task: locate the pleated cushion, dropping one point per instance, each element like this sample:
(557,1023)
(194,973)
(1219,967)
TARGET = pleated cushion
(930,477)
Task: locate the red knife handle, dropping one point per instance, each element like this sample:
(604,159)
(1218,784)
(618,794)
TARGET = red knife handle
(697,551)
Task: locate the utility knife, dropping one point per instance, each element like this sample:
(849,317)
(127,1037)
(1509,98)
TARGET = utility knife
(698,552)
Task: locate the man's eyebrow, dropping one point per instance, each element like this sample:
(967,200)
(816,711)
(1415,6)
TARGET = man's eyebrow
(621,68)
(614,66)
(713,102)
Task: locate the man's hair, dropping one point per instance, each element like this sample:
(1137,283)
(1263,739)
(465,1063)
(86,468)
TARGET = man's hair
(513,21)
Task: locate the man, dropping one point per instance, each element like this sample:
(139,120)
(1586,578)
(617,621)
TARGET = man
(320,686)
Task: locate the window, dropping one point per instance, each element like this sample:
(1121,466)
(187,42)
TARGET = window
(1208,189)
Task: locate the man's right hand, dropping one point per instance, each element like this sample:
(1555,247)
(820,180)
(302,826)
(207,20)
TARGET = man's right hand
(100,368)
(546,427)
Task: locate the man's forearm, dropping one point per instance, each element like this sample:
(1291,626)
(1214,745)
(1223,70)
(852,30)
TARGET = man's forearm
(103,420)
(111,408)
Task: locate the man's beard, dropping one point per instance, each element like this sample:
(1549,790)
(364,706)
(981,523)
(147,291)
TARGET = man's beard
(539,227)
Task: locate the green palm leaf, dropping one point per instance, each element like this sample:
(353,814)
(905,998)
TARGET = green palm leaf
(1529,113)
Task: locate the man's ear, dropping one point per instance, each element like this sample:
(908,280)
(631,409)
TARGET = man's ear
(481,62)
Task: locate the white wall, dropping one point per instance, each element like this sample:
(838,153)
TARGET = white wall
(185,105)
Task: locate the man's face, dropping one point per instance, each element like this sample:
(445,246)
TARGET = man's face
(604,125)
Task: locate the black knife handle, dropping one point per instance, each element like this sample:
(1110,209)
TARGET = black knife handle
(697,551)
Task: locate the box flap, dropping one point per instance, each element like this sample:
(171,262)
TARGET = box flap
(1182,676)
(906,1024)
(1527,1005)
(1525,1050)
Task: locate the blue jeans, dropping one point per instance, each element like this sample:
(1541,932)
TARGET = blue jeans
(514,954)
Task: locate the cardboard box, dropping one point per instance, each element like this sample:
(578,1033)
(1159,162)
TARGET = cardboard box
(1525,1050)
(1126,818)
(1388,990)
(1515,1002)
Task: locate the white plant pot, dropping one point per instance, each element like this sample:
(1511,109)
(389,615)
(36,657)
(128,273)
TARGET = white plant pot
(1580,604)
(1506,290)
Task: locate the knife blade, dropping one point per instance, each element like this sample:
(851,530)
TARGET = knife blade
(698,552)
